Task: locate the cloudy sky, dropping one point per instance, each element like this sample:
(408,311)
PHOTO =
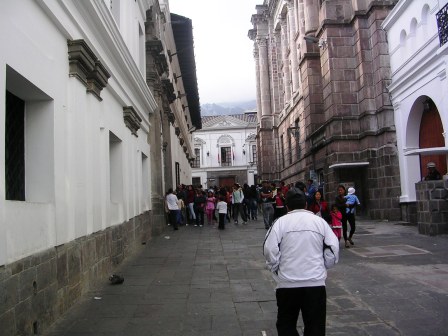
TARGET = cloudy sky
(223,52)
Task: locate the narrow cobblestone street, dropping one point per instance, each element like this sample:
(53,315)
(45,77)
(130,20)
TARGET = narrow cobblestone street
(202,281)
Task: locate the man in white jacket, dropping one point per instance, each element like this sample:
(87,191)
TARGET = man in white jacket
(299,248)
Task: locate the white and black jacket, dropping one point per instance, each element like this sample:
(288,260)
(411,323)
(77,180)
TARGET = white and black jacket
(299,248)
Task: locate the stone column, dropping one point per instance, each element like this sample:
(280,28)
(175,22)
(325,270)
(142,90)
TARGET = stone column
(263,66)
(252,35)
(292,45)
(285,59)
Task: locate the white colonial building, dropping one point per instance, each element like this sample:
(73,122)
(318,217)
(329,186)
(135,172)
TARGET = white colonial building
(417,34)
(226,150)
(96,123)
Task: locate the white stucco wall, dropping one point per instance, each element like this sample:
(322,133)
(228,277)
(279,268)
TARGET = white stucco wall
(68,180)
(419,68)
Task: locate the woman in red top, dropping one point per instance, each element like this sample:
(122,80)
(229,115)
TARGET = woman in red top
(280,208)
(319,207)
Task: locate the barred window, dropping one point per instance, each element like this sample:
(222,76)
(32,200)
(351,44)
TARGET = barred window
(197,159)
(226,156)
(254,153)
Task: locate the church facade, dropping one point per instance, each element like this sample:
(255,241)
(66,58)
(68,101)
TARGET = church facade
(324,109)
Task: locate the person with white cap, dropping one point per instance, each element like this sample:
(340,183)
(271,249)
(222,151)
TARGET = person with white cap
(351,201)
(433,173)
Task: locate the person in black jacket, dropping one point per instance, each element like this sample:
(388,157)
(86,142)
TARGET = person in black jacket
(199,207)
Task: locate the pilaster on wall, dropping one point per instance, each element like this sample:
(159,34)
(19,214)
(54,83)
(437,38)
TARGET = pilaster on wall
(268,154)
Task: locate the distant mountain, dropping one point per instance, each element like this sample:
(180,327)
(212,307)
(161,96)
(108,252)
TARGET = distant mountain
(228,108)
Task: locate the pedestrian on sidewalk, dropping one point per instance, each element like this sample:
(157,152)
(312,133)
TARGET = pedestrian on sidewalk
(352,201)
(280,207)
(253,202)
(173,208)
(210,207)
(267,200)
(299,248)
(238,198)
(190,204)
(341,203)
(319,207)
(222,212)
(199,207)
(336,223)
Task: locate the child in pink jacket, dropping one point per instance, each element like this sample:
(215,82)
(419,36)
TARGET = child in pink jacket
(336,223)
(210,207)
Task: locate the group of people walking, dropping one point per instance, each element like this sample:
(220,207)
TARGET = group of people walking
(189,205)
(195,205)
(302,241)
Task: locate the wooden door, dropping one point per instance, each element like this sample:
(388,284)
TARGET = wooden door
(431,130)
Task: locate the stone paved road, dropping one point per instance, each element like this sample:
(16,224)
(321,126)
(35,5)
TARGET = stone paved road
(202,281)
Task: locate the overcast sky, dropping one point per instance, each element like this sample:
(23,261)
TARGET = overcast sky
(224,54)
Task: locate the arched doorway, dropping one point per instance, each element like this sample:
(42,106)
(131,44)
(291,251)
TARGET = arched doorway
(431,136)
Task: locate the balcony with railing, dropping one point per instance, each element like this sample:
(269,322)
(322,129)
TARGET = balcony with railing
(442,24)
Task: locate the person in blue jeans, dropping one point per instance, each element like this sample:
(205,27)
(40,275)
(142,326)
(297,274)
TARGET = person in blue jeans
(267,200)
(199,207)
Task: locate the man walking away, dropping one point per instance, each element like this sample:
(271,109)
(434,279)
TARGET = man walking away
(267,199)
(299,248)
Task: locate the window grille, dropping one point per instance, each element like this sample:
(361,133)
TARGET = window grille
(197,159)
(226,156)
(254,153)
(15,148)
(442,24)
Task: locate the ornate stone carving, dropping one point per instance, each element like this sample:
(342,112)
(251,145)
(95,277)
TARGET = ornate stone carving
(131,119)
(168,90)
(84,65)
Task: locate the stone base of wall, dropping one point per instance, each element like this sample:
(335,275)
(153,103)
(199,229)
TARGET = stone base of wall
(37,290)
(158,216)
(432,207)
(409,212)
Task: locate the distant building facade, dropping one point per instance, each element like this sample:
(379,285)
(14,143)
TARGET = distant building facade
(226,151)
(324,111)
(417,34)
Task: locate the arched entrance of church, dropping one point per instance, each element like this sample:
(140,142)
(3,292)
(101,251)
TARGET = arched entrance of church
(431,135)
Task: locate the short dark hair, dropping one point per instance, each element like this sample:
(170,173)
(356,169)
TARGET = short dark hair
(295,199)
(300,185)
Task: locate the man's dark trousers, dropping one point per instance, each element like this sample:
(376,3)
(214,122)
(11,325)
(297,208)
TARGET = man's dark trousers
(311,301)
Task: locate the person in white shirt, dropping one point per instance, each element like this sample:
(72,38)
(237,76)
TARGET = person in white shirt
(299,248)
(171,204)
(222,211)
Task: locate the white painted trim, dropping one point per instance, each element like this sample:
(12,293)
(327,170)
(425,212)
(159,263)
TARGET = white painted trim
(349,165)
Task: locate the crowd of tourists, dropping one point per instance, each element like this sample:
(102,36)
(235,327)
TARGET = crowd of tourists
(302,241)
(194,205)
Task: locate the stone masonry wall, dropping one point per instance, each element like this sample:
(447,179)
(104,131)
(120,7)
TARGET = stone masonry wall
(35,291)
(432,207)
